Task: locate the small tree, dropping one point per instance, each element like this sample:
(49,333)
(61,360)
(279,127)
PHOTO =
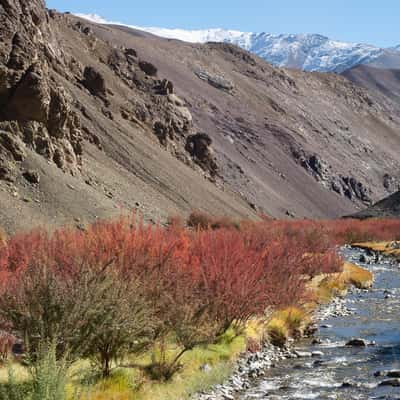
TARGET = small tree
(118,322)
(39,306)
(185,317)
(92,312)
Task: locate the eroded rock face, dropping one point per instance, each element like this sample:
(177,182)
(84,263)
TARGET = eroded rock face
(354,188)
(39,113)
(148,68)
(215,80)
(346,186)
(35,111)
(199,146)
(94,82)
(165,87)
(163,132)
(31,97)
(11,146)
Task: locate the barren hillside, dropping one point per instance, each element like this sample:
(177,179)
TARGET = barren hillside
(378,80)
(307,143)
(98,120)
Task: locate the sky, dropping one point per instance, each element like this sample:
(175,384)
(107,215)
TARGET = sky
(366,21)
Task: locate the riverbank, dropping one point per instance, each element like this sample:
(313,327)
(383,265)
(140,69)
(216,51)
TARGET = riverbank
(235,360)
(386,248)
(328,366)
(344,371)
(145,278)
(329,291)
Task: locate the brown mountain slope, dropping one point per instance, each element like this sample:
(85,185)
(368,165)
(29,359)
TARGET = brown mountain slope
(386,208)
(88,160)
(273,122)
(390,59)
(89,127)
(385,81)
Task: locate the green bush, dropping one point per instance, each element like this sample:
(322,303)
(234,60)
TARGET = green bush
(48,378)
(119,321)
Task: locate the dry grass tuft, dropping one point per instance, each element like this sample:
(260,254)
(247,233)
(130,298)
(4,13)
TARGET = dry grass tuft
(325,287)
(278,332)
(387,248)
(289,322)
(3,237)
(357,276)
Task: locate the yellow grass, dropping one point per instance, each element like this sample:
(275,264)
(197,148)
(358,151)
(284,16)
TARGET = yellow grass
(132,383)
(277,331)
(382,247)
(20,373)
(357,276)
(3,237)
(325,287)
(288,322)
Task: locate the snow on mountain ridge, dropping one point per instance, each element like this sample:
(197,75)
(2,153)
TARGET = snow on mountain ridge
(191,36)
(310,52)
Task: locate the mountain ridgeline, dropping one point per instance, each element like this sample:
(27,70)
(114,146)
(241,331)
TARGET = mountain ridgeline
(99,120)
(308,52)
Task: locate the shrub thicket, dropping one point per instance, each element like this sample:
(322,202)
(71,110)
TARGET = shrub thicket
(122,286)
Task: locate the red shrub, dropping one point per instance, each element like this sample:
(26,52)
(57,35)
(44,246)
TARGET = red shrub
(230,274)
(213,278)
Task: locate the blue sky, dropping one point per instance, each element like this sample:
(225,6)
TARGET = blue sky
(368,21)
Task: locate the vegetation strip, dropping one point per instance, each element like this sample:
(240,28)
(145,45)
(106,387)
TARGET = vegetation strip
(126,310)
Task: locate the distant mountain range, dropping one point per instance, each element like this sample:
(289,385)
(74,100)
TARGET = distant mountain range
(309,52)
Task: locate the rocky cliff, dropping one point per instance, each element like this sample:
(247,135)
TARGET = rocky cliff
(88,129)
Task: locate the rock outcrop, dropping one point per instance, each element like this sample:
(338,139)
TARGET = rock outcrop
(39,113)
(215,80)
(199,147)
(346,186)
(36,112)
(94,82)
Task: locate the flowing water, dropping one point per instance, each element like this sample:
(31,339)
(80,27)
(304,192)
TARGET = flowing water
(344,372)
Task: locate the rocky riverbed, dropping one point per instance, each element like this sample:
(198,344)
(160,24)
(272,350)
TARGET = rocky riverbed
(354,355)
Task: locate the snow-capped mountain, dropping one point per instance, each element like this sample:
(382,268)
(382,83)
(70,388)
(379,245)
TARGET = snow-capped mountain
(310,52)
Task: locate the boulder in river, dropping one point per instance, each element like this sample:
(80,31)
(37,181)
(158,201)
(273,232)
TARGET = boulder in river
(317,354)
(393,374)
(357,343)
(391,382)
(302,354)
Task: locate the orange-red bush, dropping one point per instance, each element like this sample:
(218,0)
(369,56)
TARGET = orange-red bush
(216,278)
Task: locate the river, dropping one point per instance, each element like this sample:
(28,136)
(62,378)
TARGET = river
(340,371)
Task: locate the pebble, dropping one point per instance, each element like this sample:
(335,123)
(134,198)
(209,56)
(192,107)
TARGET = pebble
(303,354)
(249,367)
(317,354)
